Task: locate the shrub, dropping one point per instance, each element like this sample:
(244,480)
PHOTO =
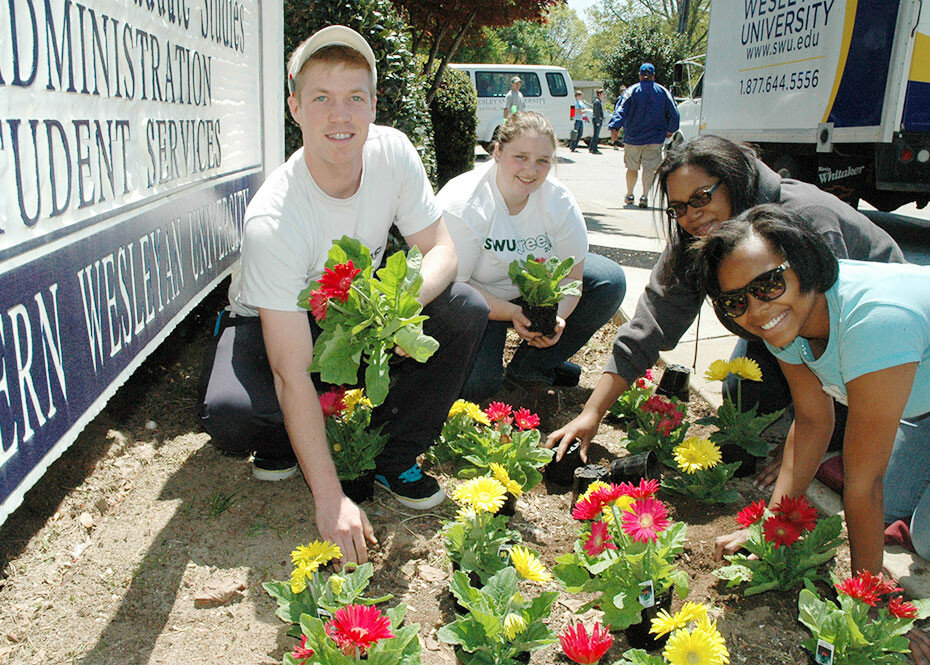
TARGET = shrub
(638,42)
(454,115)
(401,90)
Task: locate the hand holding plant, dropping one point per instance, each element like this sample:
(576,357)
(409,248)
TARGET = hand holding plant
(790,542)
(861,626)
(540,282)
(362,315)
(703,476)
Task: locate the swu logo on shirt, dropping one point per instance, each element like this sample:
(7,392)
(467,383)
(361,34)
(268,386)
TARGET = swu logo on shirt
(519,245)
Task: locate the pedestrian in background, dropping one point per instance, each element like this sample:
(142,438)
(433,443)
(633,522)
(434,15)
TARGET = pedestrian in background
(579,122)
(648,116)
(513,101)
(597,119)
(615,131)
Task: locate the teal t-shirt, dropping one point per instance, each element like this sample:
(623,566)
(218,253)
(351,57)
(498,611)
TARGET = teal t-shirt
(879,318)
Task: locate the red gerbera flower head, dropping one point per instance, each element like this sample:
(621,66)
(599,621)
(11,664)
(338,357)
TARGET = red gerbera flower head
(640,383)
(498,412)
(524,419)
(751,514)
(301,652)
(333,402)
(656,404)
(897,607)
(358,627)
(646,489)
(649,376)
(583,648)
(645,520)
(779,531)
(337,281)
(665,426)
(587,508)
(798,511)
(599,540)
(607,494)
(319,304)
(540,259)
(867,587)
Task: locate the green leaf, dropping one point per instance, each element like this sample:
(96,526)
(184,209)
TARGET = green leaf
(416,344)
(337,357)
(377,380)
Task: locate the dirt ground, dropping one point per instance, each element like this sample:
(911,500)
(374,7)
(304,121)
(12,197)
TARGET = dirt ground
(103,562)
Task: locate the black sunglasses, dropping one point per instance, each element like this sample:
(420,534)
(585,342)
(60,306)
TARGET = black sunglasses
(697,200)
(767,286)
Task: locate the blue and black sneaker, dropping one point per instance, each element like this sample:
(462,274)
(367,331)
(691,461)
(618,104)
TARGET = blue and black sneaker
(413,488)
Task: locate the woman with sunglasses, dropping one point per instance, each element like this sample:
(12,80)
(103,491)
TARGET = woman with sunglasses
(774,276)
(705,182)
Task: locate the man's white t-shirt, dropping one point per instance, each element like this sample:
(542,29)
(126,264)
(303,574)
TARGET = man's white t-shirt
(290,224)
(487,237)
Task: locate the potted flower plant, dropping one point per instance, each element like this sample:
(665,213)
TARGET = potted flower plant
(625,553)
(464,417)
(659,426)
(628,405)
(866,624)
(702,475)
(540,282)
(366,315)
(789,545)
(739,433)
(353,444)
(307,592)
(500,625)
(693,638)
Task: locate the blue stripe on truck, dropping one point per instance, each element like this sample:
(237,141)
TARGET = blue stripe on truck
(861,93)
(916,116)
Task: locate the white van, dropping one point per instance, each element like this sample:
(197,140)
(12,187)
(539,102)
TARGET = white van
(546,89)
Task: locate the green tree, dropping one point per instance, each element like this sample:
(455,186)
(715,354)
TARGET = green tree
(642,41)
(687,18)
(401,102)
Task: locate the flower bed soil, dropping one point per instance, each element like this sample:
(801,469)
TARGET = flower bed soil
(143,544)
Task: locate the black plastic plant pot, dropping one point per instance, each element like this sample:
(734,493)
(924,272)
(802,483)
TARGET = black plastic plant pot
(674,382)
(731,452)
(510,506)
(638,635)
(542,319)
(633,468)
(563,471)
(361,488)
(584,476)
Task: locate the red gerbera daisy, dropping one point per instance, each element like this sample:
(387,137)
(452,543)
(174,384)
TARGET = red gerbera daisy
(583,648)
(856,587)
(587,508)
(751,514)
(301,652)
(897,607)
(333,402)
(319,304)
(599,540)
(498,411)
(524,419)
(798,511)
(358,627)
(646,489)
(656,404)
(337,281)
(780,532)
(645,520)
(608,494)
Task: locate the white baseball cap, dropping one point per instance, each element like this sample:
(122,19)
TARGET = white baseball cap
(333,35)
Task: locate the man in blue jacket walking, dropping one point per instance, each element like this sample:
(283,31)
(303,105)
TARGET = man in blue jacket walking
(648,115)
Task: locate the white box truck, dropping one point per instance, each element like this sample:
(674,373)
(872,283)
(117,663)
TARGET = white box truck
(546,89)
(835,92)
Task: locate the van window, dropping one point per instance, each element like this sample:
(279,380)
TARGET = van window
(497,84)
(557,87)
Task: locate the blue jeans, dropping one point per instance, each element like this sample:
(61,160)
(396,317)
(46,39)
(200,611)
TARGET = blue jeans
(602,291)
(579,130)
(595,135)
(906,480)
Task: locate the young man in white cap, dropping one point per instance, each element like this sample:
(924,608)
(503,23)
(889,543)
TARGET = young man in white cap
(513,100)
(353,178)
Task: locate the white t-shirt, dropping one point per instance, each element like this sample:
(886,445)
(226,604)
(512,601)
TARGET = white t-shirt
(290,223)
(487,237)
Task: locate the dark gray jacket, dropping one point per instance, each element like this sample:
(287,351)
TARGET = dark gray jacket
(667,308)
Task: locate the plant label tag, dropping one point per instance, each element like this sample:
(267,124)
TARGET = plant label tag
(504,551)
(647,595)
(323,614)
(824,655)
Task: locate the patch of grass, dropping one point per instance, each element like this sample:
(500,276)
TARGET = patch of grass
(220,503)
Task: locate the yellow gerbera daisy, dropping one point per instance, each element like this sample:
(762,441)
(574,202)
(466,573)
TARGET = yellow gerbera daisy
(501,475)
(353,398)
(710,628)
(315,555)
(470,409)
(483,493)
(528,565)
(666,623)
(746,368)
(592,488)
(693,648)
(693,611)
(514,624)
(299,577)
(622,503)
(695,454)
(717,371)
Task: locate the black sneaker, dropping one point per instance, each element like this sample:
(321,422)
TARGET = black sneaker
(628,199)
(643,202)
(273,468)
(413,488)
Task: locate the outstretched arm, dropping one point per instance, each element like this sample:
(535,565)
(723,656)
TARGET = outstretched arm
(584,426)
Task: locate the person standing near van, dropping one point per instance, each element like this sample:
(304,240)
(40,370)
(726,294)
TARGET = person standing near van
(513,101)
(597,119)
(579,122)
(648,116)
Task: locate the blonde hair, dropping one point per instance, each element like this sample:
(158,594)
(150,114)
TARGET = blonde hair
(525,121)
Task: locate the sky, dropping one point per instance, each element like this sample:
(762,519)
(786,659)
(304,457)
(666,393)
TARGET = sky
(580,6)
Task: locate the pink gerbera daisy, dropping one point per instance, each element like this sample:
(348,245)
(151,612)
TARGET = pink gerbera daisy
(524,419)
(645,520)
(302,652)
(599,540)
(358,627)
(333,402)
(319,304)
(498,411)
(336,282)
(645,490)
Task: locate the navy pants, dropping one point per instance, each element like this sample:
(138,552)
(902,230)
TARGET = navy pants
(240,408)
